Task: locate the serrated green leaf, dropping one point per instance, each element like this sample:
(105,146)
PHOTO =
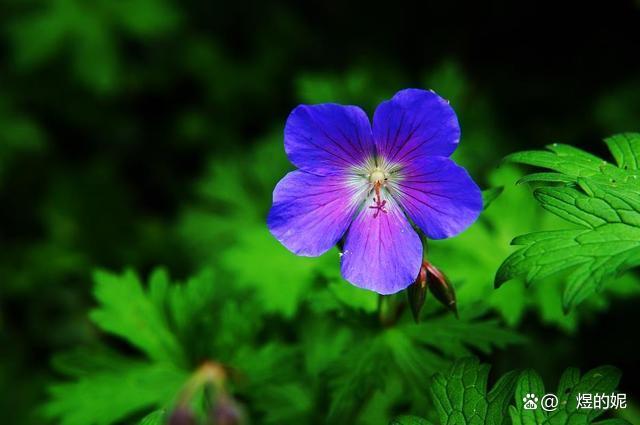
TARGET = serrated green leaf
(411,353)
(280,277)
(500,396)
(82,362)
(340,295)
(625,148)
(206,320)
(603,379)
(288,403)
(546,177)
(529,383)
(453,336)
(460,394)
(102,398)
(563,159)
(572,205)
(597,196)
(126,311)
(154,418)
(287,400)
(472,258)
(356,377)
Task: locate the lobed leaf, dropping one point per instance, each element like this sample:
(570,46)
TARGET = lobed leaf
(106,397)
(460,395)
(603,379)
(126,311)
(472,258)
(154,418)
(563,159)
(625,148)
(176,327)
(600,198)
(412,353)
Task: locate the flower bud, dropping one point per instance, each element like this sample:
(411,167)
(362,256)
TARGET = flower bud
(226,411)
(182,415)
(441,288)
(417,293)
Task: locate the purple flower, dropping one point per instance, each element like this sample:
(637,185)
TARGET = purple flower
(365,182)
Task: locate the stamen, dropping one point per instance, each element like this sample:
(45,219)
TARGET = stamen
(379,203)
(379,207)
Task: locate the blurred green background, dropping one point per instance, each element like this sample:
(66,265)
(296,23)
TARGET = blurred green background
(144,133)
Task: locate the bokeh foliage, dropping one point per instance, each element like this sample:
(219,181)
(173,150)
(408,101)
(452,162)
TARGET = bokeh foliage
(149,132)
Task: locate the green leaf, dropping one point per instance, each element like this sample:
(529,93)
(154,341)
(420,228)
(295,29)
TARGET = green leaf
(127,311)
(460,394)
(370,364)
(453,336)
(408,352)
(471,259)
(356,377)
(106,397)
(106,386)
(625,148)
(528,383)
(175,326)
(154,418)
(563,159)
(546,177)
(288,403)
(603,379)
(281,278)
(595,195)
(340,295)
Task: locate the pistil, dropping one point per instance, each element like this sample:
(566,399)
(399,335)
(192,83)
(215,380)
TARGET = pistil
(379,203)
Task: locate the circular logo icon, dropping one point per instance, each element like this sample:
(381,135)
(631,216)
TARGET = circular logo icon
(549,402)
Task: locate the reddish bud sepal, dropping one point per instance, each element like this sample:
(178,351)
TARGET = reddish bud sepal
(432,278)
(441,288)
(226,412)
(182,415)
(417,293)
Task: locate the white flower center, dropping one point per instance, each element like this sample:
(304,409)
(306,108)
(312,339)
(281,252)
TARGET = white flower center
(377,176)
